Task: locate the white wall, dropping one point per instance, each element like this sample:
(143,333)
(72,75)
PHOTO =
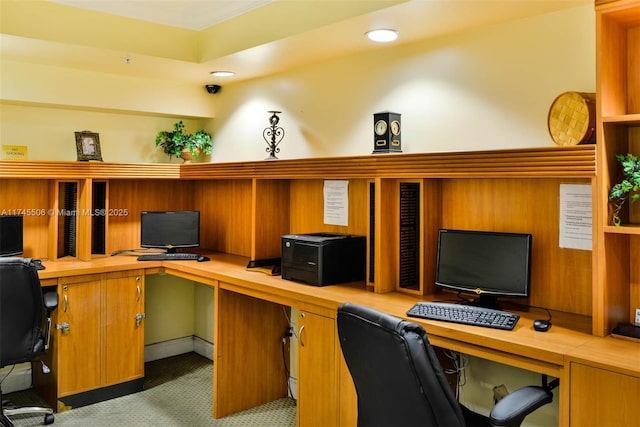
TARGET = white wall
(487,89)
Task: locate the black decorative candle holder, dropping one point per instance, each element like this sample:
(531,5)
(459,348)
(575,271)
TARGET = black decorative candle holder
(273,135)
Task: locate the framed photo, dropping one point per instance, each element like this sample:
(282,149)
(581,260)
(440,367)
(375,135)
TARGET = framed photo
(88,146)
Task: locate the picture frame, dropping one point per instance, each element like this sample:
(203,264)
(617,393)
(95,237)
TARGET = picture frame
(88,146)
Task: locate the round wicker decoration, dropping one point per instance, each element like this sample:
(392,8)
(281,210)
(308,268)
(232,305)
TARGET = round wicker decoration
(572,118)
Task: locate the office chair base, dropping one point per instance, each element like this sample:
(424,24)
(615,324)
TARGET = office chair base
(26,410)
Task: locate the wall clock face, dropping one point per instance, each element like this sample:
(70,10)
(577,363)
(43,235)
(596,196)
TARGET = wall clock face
(395,127)
(380,127)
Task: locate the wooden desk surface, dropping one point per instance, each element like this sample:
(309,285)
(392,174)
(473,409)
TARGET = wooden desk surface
(522,347)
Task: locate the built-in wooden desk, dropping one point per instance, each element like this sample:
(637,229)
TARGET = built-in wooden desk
(249,324)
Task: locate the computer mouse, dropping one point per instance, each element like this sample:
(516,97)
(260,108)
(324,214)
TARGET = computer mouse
(541,325)
(203,258)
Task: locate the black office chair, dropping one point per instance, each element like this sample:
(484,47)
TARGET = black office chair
(399,380)
(23,337)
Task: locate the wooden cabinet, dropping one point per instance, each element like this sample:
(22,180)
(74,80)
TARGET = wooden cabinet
(616,273)
(317,370)
(123,328)
(600,408)
(78,336)
(99,337)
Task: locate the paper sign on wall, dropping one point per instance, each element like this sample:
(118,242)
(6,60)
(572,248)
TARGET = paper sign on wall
(336,202)
(576,216)
(16,152)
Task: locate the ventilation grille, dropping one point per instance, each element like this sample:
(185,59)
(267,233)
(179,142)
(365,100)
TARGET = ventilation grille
(99,219)
(372,230)
(409,235)
(67,219)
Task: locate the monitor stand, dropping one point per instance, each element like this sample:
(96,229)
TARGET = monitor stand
(487,301)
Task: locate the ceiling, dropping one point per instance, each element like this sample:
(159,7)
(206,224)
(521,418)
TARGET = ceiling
(189,14)
(252,37)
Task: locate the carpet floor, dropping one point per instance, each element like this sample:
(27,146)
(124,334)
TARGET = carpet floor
(177,392)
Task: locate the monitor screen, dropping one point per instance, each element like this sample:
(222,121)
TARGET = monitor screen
(488,264)
(11,235)
(170,229)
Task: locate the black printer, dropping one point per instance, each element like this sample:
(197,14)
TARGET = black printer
(322,259)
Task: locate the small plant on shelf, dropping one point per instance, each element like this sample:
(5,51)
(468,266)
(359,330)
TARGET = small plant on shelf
(628,187)
(186,146)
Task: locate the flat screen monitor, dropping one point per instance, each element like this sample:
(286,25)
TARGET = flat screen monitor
(170,230)
(487,264)
(11,235)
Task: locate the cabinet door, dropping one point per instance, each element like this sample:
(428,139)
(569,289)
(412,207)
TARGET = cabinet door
(317,376)
(603,398)
(79,362)
(124,327)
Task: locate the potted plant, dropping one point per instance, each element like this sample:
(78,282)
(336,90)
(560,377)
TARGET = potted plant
(186,146)
(629,186)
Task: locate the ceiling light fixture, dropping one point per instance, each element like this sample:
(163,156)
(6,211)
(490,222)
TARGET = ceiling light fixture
(222,73)
(382,36)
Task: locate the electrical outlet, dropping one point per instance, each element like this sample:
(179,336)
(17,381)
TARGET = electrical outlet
(499,392)
(638,316)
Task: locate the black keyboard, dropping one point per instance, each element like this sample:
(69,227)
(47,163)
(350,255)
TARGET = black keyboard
(467,314)
(177,256)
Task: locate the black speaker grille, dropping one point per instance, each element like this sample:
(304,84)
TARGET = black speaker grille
(409,235)
(99,218)
(372,230)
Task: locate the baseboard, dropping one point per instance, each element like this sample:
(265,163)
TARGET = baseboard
(178,346)
(19,379)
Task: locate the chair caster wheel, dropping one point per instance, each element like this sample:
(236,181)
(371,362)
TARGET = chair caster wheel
(48,419)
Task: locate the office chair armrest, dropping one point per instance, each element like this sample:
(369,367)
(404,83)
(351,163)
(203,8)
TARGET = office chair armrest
(50,300)
(513,408)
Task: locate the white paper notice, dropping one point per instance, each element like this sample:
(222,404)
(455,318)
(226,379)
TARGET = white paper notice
(575,216)
(336,202)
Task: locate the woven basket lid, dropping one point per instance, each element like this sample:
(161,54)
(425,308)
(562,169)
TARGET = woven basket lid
(571,118)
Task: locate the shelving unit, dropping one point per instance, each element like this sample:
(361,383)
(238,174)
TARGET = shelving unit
(616,249)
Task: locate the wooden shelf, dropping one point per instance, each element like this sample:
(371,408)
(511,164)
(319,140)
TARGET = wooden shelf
(552,162)
(85,170)
(623,229)
(623,119)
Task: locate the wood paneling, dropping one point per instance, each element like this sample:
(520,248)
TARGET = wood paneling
(257,376)
(29,198)
(589,410)
(307,208)
(132,197)
(269,217)
(225,213)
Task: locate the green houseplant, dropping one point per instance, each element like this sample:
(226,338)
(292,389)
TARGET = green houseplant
(186,146)
(628,187)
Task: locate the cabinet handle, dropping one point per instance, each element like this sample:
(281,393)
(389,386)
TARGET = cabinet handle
(139,292)
(66,303)
(300,335)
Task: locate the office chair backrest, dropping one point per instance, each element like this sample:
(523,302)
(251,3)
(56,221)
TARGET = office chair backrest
(398,378)
(21,310)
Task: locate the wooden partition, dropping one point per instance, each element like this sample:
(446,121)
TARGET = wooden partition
(127,198)
(30,198)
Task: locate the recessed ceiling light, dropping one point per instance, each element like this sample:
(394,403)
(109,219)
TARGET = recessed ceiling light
(222,73)
(382,36)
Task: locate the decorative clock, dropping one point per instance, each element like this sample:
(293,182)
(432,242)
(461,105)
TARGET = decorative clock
(386,132)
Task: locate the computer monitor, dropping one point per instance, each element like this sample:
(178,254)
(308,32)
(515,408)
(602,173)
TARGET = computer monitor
(483,263)
(11,229)
(170,230)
